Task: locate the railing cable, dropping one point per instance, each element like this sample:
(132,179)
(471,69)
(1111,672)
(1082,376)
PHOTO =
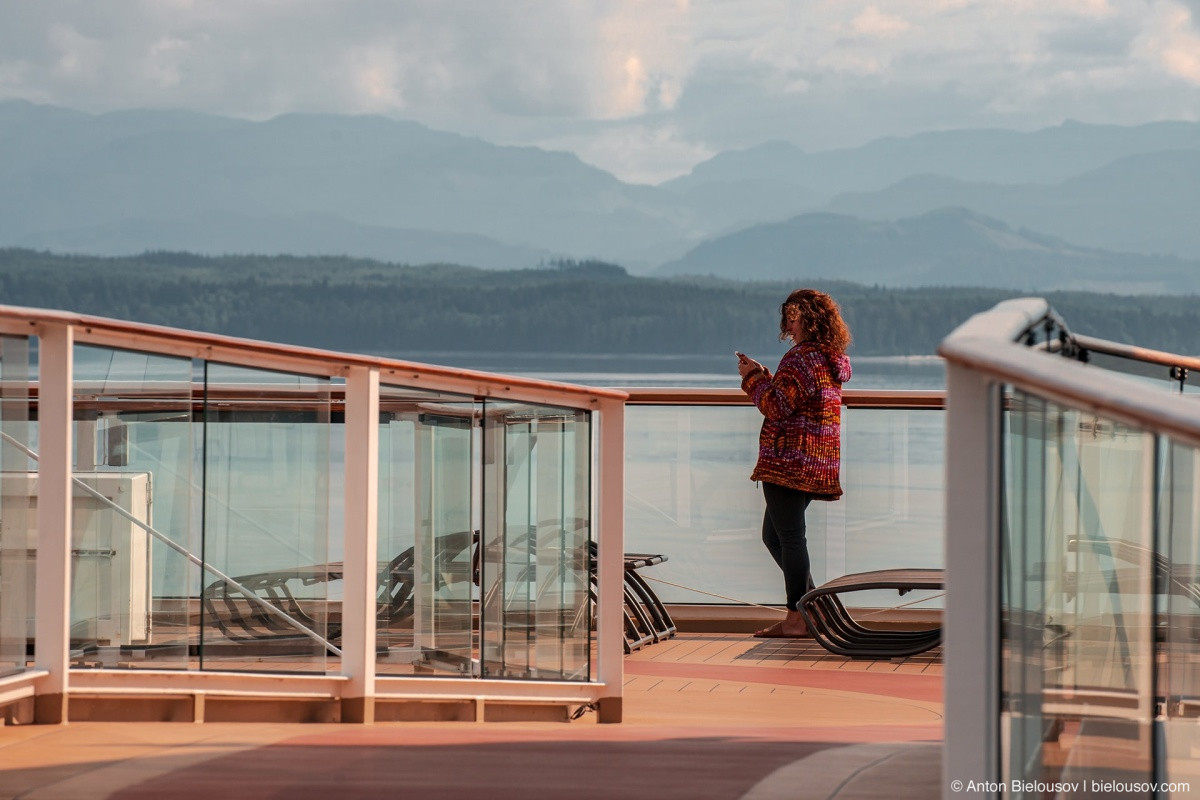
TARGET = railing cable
(720,596)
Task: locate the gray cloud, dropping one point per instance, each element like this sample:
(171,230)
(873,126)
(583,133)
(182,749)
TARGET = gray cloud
(1095,40)
(643,89)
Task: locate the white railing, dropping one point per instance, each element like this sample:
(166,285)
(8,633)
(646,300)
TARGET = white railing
(1037,445)
(356,685)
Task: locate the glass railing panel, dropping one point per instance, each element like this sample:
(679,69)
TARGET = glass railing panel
(1078,612)
(18,523)
(689,497)
(269,587)
(893,510)
(427,546)
(1021,588)
(134,596)
(1177,568)
(536,568)
(561,559)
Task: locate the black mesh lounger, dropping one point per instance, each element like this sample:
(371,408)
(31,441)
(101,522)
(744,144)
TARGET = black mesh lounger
(1170,578)
(244,618)
(653,618)
(646,619)
(837,631)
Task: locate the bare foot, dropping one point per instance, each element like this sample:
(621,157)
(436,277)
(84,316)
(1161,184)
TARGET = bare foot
(770,632)
(791,627)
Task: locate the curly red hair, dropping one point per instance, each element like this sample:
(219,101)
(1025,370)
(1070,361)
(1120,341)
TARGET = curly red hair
(820,316)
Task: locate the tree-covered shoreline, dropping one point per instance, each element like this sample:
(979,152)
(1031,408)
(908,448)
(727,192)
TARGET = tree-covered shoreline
(565,307)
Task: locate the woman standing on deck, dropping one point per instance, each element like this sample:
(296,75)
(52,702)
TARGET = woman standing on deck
(799,448)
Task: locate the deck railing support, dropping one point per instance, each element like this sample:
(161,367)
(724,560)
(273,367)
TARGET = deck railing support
(610,540)
(361,540)
(53,594)
(972,688)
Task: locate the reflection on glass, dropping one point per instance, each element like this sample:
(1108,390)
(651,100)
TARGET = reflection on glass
(1177,568)
(893,511)
(427,546)
(689,497)
(18,524)
(266,512)
(1077,577)
(536,572)
(135,497)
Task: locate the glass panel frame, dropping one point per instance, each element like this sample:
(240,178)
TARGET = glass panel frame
(18,529)
(428,511)
(134,572)
(1077,577)
(536,568)
(267,522)
(1177,565)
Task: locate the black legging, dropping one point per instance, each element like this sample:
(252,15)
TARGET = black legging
(783,534)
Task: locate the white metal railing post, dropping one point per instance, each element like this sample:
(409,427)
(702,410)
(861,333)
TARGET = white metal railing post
(53,598)
(972,655)
(610,558)
(360,567)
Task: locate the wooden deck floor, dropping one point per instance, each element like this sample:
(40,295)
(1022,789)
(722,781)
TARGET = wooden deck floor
(723,716)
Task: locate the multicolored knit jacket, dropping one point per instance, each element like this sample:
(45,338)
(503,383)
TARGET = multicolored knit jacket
(801,440)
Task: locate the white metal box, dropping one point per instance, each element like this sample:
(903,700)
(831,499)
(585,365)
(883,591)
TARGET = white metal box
(110,554)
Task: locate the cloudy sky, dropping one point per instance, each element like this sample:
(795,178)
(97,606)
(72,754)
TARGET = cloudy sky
(642,88)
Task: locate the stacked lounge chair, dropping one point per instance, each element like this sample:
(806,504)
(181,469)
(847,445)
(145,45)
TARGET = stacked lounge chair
(837,631)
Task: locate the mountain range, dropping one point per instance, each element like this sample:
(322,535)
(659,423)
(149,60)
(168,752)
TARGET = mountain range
(1072,206)
(944,247)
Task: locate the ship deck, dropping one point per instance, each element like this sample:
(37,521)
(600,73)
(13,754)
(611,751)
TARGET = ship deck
(706,715)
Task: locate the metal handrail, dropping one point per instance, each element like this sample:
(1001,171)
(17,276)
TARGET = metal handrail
(21,321)
(1179,366)
(987,343)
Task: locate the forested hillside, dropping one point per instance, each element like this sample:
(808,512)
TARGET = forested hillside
(590,307)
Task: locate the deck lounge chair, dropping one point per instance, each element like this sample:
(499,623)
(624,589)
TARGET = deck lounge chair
(245,619)
(838,632)
(646,619)
(1170,578)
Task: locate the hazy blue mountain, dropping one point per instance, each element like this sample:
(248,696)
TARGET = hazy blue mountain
(1146,203)
(83,181)
(367,186)
(1048,155)
(1111,187)
(946,247)
(302,233)
(34,134)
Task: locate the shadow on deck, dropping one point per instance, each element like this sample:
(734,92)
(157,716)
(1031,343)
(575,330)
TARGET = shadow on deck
(706,716)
